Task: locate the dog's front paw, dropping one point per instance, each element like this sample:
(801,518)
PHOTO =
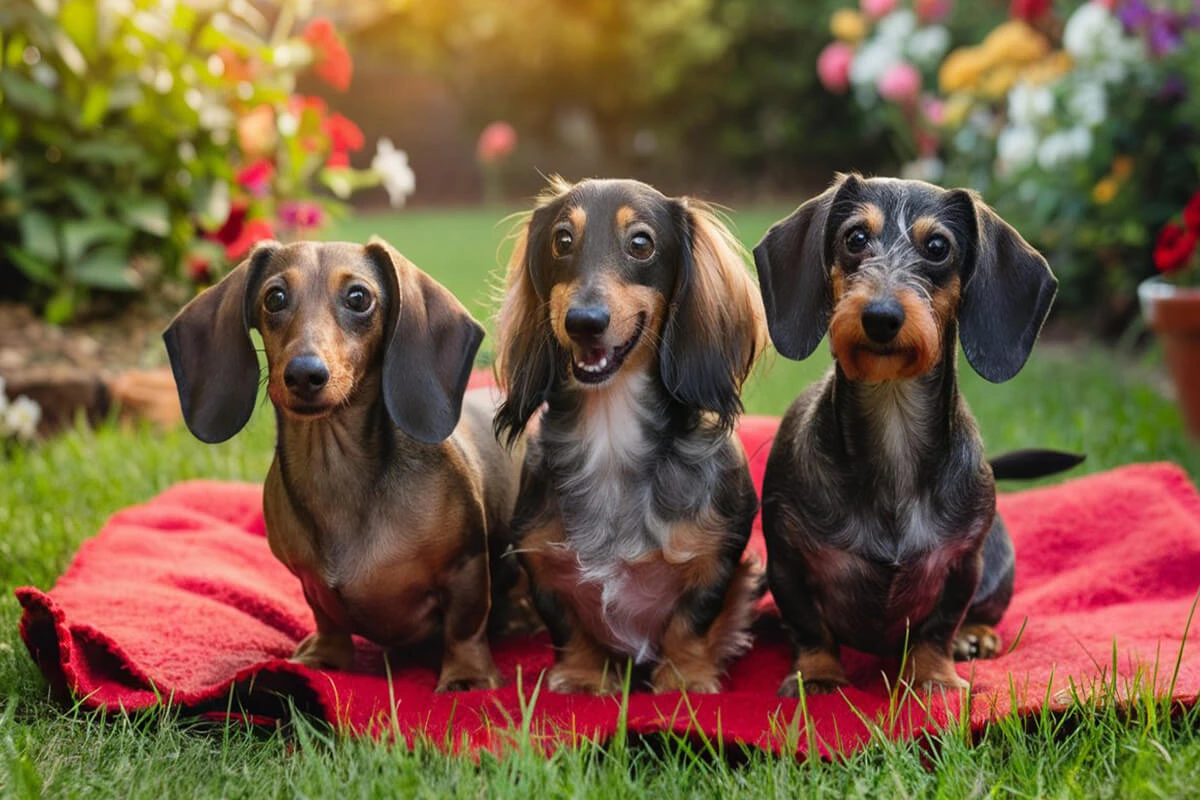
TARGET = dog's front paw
(930,668)
(976,641)
(564,679)
(454,683)
(667,678)
(325,651)
(812,686)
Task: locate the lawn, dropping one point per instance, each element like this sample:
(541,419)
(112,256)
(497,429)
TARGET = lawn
(55,496)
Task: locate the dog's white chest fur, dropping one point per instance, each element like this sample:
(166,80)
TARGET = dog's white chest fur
(611,527)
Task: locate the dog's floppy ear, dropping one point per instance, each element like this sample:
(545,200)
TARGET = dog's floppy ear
(714,329)
(212,356)
(528,364)
(1007,292)
(431,342)
(793,273)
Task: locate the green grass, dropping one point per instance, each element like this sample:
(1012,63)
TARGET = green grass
(54,496)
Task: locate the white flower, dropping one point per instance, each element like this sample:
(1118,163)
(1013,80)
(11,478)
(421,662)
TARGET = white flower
(924,169)
(287,124)
(1062,147)
(1017,146)
(872,60)
(897,26)
(1095,38)
(23,416)
(927,46)
(1088,103)
(1028,105)
(215,117)
(393,169)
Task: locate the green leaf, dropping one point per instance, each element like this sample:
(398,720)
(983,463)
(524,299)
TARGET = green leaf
(77,20)
(108,152)
(38,237)
(79,236)
(150,214)
(107,268)
(85,196)
(95,104)
(26,95)
(33,268)
(61,307)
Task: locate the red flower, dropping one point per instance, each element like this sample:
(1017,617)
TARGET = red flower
(1174,247)
(337,161)
(239,234)
(1030,11)
(300,104)
(199,268)
(344,135)
(1191,214)
(333,64)
(256,177)
(496,142)
(301,214)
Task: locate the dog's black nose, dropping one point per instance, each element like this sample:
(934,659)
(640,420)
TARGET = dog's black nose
(306,376)
(586,322)
(882,320)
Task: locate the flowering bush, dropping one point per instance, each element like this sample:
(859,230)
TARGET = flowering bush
(144,140)
(1076,129)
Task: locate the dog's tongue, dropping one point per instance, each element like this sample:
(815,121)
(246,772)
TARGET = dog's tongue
(593,356)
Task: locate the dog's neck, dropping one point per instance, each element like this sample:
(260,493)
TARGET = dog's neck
(335,460)
(899,424)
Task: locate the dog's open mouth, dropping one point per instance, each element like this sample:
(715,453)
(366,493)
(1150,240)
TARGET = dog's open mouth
(598,364)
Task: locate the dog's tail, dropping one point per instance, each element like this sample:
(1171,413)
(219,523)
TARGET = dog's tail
(1023,465)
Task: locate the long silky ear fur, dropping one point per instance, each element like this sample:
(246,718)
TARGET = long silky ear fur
(431,345)
(715,329)
(212,356)
(793,274)
(1007,292)
(527,359)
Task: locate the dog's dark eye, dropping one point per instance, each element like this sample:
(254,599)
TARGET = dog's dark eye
(856,240)
(641,246)
(563,240)
(937,247)
(275,301)
(358,299)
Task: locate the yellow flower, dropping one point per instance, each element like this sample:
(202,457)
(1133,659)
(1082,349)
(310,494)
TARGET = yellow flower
(1049,69)
(958,106)
(1122,167)
(998,81)
(848,26)
(961,69)
(1015,42)
(1105,190)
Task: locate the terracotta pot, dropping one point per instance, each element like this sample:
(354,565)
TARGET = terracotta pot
(1173,313)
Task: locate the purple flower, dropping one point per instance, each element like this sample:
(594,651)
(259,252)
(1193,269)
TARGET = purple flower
(301,214)
(1134,15)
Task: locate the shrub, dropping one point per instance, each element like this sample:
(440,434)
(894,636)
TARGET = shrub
(144,141)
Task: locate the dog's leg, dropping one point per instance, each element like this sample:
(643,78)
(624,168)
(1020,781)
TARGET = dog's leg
(930,661)
(710,628)
(816,653)
(977,638)
(466,659)
(329,647)
(584,667)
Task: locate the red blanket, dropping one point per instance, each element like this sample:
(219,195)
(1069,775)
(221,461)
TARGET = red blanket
(180,600)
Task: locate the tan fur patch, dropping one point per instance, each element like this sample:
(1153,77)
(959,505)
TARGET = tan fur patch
(584,667)
(917,347)
(578,217)
(625,217)
(821,670)
(872,218)
(930,667)
(924,227)
(945,303)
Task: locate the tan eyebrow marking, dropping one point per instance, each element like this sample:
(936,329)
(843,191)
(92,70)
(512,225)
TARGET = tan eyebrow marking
(625,216)
(578,217)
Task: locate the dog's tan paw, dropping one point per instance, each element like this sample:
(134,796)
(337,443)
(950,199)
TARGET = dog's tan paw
(668,679)
(930,668)
(976,641)
(812,686)
(572,680)
(325,651)
(453,683)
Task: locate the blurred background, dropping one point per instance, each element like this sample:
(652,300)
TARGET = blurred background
(145,145)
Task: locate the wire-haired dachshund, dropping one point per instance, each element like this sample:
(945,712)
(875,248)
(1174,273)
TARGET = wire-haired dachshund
(879,507)
(386,493)
(633,318)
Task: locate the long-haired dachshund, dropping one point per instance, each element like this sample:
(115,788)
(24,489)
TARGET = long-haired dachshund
(379,499)
(632,317)
(879,507)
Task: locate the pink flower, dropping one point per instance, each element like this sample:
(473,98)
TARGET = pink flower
(874,9)
(256,177)
(333,64)
(833,66)
(900,84)
(931,11)
(496,142)
(933,108)
(301,214)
